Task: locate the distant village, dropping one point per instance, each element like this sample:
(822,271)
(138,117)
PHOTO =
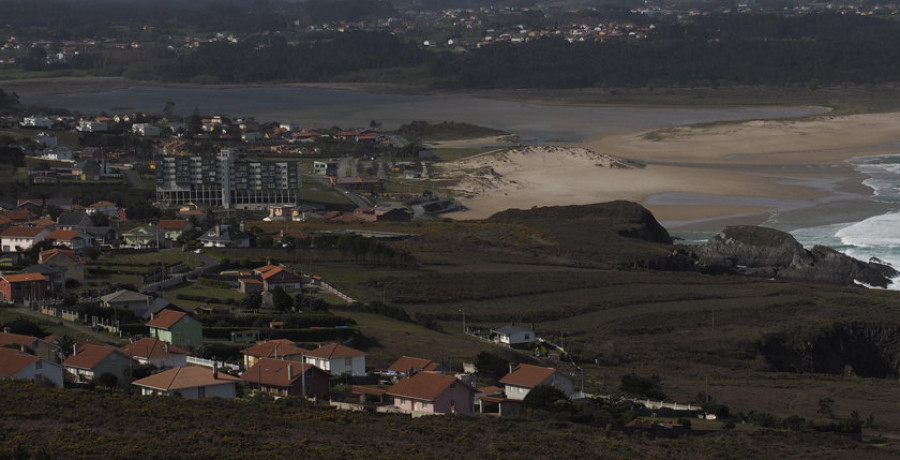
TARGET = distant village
(58,255)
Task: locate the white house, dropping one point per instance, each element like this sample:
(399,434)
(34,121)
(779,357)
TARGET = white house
(91,126)
(36,122)
(145,129)
(525,377)
(337,359)
(17,239)
(47,141)
(513,336)
(191,382)
(16,365)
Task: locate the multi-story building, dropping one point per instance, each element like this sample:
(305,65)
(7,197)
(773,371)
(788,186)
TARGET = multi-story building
(224,181)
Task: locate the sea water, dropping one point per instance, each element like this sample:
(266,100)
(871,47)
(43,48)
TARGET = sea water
(873,237)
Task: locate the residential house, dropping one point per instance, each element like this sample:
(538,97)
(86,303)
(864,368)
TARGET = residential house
(146,236)
(176,327)
(32,345)
(278,349)
(513,336)
(107,208)
(75,240)
(87,170)
(19,288)
(102,235)
(433,393)
(92,126)
(65,258)
(73,220)
(524,377)
(155,352)
(124,299)
(337,359)
(172,229)
(145,129)
(296,235)
(281,377)
(273,276)
(55,276)
(21,239)
(91,360)
(225,236)
(408,365)
(19,216)
(190,382)
(16,365)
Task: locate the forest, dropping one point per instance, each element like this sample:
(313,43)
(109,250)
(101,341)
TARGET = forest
(764,50)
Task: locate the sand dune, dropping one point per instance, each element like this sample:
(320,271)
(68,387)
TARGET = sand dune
(692,176)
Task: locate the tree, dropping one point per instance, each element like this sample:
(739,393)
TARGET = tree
(251,301)
(547,398)
(281,300)
(26,326)
(647,387)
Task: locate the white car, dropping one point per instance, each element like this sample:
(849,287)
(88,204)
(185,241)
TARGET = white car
(198,251)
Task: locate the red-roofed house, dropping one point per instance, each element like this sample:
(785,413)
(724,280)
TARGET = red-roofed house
(103,207)
(20,239)
(282,377)
(409,365)
(72,239)
(155,352)
(172,229)
(42,348)
(15,365)
(18,288)
(93,360)
(278,349)
(65,258)
(524,377)
(337,359)
(280,277)
(191,382)
(433,394)
(176,327)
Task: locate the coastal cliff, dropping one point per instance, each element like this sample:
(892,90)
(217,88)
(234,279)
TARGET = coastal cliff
(766,252)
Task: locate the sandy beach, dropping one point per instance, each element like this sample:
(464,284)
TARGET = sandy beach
(697,178)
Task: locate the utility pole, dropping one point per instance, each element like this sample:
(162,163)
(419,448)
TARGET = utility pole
(302,375)
(464,319)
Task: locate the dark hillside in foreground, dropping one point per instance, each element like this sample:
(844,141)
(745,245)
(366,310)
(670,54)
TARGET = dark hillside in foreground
(43,423)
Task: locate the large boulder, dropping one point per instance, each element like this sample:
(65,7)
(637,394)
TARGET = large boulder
(775,254)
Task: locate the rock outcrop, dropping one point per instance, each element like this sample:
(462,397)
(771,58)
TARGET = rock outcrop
(775,254)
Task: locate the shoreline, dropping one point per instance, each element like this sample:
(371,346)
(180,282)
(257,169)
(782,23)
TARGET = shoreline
(742,171)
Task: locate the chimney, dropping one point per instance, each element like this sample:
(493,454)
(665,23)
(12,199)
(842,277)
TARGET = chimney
(6,329)
(215,371)
(218,230)
(74,349)
(510,368)
(290,372)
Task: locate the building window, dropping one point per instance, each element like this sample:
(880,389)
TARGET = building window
(424,405)
(348,361)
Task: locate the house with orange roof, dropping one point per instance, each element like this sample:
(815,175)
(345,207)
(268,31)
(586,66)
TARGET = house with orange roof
(155,352)
(427,393)
(91,360)
(42,348)
(108,208)
(16,365)
(337,359)
(409,365)
(21,238)
(21,287)
(278,349)
(55,276)
(75,240)
(282,377)
(276,276)
(190,382)
(65,258)
(19,216)
(524,377)
(171,229)
(177,328)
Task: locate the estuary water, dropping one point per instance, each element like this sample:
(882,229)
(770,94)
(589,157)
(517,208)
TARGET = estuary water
(324,108)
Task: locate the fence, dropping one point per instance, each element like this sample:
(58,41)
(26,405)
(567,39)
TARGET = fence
(210,363)
(331,290)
